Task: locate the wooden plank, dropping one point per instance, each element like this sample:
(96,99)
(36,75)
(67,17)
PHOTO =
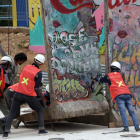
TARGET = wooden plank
(107,63)
(112,125)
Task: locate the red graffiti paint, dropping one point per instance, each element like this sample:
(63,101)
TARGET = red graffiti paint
(118,3)
(75,2)
(64,10)
(110,24)
(56,24)
(122,34)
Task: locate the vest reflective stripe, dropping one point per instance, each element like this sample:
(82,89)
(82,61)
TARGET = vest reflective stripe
(13,87)
(27,81)
(2,80)
(118,86)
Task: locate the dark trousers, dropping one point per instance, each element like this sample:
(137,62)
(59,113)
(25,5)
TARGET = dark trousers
(125,101)
(8,95)
(6,86)
(32,102)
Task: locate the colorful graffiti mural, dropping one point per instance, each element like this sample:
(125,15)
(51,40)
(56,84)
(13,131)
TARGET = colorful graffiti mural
(94,25)
(124,42)
(75,58)
(116,3)
(36,27)
(99,18)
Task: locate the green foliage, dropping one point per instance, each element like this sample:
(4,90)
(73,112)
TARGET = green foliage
(20,46)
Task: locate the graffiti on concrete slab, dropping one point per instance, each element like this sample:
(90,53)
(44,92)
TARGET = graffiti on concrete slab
(99,18)
(74,46)
(117,3)
(124,42)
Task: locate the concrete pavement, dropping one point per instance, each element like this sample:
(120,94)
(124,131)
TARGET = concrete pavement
(69,131)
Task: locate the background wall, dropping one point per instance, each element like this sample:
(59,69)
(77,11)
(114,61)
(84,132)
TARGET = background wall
(72,31)
(36,27)
(124,43)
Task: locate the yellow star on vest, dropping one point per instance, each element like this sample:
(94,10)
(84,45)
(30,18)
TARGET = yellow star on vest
(120,83)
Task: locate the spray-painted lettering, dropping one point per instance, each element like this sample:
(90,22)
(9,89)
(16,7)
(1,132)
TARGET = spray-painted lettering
(119,3)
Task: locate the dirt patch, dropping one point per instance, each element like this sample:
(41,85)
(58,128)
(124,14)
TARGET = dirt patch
(19,43)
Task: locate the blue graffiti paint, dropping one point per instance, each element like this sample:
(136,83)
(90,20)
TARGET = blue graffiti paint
(102,37)
(68,22)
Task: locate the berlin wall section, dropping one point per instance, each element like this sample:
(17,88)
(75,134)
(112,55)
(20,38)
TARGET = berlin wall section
(124,44)
(74,40)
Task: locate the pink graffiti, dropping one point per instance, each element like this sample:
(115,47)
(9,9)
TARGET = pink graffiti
(127,73)
(117,40)
(133,72)
(123,69)
(116,47)
(99,17)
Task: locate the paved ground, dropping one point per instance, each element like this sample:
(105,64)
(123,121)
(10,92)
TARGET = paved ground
(69,131)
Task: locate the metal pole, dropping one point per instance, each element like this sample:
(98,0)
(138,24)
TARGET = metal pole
(27,15)
(49,66)
(107,64)
(8,24)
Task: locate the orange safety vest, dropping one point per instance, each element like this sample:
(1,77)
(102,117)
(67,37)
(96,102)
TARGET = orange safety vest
(117,86)
(2,80)
(27,81)
(13,87)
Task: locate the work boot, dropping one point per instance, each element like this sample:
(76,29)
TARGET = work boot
(5,135)
(124,130)
(42,132)
(138,130)
(16,123)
